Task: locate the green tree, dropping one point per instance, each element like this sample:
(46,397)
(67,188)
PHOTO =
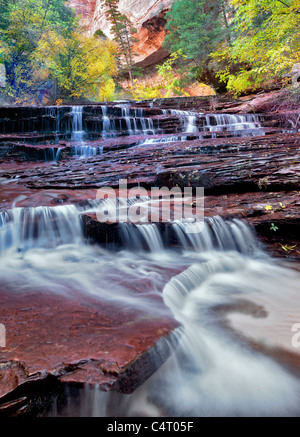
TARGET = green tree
(45,53)
(24,24)
(4,13)
(123,35)
(173,83)
(266,44)
(196,28)
(79,65)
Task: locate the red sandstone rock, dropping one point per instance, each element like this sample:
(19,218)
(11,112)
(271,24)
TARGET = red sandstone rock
(146,16)
(76,339)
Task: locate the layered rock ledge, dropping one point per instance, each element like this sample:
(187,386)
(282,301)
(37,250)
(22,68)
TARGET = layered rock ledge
(54,340)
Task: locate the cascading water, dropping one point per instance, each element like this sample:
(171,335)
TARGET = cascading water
(22,229)
(124,119)
(109,127)
(216,234)
(227,289)
(235,305)
(77,126)
(214,370)
(195,123)
(212,234)
(136,122)
(233,123)
(187,120)
(86,151)
(169,139)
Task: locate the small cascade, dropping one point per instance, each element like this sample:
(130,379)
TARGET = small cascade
(147,126)
(47,154)
(136,122)
(238,124)
(162,140)
(142,237)
(215,373)
(216,234)
(84,151)
(77,126)
(109,128)
(222,301)
(52,153)
(188,120)
(130,121)
(212,234)
(191,122)
(22,229)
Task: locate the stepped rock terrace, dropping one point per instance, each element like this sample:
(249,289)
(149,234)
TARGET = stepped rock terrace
(116,305)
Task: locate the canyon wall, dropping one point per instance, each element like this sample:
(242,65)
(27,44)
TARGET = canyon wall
(147,16)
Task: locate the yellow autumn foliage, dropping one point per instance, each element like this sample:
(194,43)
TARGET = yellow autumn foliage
(82,66)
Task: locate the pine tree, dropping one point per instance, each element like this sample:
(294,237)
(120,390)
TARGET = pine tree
(195,27)
(266,44)
(123,36)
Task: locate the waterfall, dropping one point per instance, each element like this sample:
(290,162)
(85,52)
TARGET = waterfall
(142,237)
(187,119)
(136,122)
(232,354)
(191,124)
(77,126)
(47,154)
(130,122)
(233,123)
(216,234)
(109,127)
(237,124)
(220,289)
(213,234)
(213,371)
(216,374)
(86,151)
(22,229)
(52,153)
(147,126)
(162,140)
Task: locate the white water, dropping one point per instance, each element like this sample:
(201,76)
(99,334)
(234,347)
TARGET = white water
(109,126)
(162,140)
(189,122)
(233,123)
(192,122)
(136,122)
(213,371)
(77,126)
(86,151)
(216,234)
(22,229)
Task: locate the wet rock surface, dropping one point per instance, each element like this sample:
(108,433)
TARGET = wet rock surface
(56,340)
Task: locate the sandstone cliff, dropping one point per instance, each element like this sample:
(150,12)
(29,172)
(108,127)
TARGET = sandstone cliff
(147,16)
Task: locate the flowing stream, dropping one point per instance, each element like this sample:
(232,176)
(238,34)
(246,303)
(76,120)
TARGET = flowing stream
(229,296)
(233,353)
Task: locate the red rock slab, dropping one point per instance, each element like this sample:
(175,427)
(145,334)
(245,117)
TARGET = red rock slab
(77,339)
(13,194)
(274,215)
(219,165)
